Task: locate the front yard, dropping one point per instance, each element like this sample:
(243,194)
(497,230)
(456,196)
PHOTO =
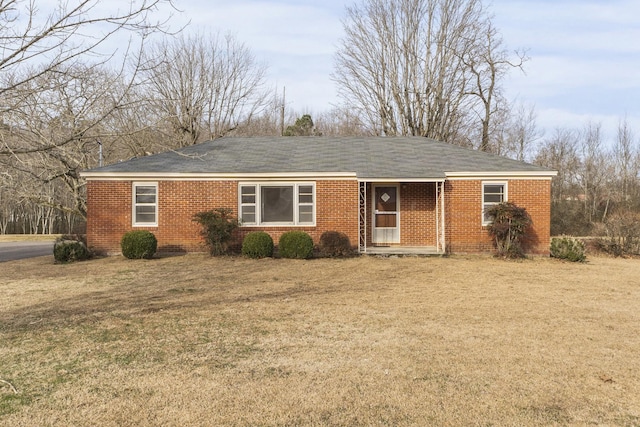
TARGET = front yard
(194,340)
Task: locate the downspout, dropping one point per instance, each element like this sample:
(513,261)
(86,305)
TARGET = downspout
(442,230)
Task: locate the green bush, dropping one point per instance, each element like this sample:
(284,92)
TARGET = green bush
(257,244)
(568,248)
(509,228)
(335,244)
(65,250)
(139,244)
(218,226)
(295,244)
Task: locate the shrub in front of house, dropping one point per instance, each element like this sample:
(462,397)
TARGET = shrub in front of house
(295,244)
(139,244)
(335,244)
(66,250)
(218,226)
(568,248)
(257,244)
(508,228)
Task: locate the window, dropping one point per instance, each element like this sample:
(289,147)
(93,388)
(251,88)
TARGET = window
(145,204)
(493,193)
(277,204)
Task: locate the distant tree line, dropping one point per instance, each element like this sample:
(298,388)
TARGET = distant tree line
(430,68)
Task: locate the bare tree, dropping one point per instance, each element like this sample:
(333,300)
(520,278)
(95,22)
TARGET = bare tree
(593,173)
(204,86)
(36,44)
(560,152)
(516,133)
(488,62)
(56,128)
(627,165)
(57,94)
(422,67)
(341,121)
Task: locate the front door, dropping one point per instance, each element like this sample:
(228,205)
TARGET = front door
(386,215)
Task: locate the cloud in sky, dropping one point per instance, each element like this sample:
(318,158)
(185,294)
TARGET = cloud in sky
(584,60)
(584,53)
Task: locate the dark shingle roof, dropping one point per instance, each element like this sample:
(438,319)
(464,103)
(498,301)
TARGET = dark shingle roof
(367,157)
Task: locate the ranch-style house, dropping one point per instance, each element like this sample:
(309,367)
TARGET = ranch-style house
(387,194)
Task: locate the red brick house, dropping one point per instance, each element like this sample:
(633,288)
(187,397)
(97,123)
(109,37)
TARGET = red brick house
(384,193)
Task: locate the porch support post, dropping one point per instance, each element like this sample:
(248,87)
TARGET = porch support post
(362,217)
(437,217)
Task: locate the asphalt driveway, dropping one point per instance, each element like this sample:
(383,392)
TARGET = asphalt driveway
(10,251)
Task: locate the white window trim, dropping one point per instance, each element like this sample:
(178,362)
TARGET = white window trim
(134,204)
(258,203)
(483,205)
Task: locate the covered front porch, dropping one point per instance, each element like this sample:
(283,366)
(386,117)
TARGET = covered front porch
(401,218)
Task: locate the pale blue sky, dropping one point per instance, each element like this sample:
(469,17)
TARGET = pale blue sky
(585,54)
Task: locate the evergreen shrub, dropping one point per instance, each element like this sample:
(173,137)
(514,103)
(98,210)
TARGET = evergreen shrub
(568,248)
(65,250)
(295,244)
(257,244)
(139,244)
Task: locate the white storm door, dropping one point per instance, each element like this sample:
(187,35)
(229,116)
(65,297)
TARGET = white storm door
(386,215)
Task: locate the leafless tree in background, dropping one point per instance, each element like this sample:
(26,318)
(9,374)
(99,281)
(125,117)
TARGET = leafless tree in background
(204,87)
(521,133)
(488,61)
(421,67)
(36,44)
(594,172)
(60,81)
(341,121)
(626,159)
(560,152)
(57,127)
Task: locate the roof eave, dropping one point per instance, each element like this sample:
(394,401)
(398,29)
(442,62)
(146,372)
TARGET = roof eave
(196,176)
(502,175)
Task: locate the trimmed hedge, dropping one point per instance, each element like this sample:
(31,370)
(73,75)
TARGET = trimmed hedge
(257,244)
(70,250)
(295,244)
(335,244)
(568,248)
(139,244)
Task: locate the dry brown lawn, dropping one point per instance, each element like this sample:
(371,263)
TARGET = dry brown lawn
(194,340)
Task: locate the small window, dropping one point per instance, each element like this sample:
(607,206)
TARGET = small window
(145,204)
(305,204)
(493,193)
(277,204)
(248,204)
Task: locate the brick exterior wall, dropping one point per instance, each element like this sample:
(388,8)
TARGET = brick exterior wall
(463,209)
(109,213)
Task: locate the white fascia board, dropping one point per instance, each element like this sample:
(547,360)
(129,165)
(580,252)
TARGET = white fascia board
(177,176)
(386,180)
(541,175)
